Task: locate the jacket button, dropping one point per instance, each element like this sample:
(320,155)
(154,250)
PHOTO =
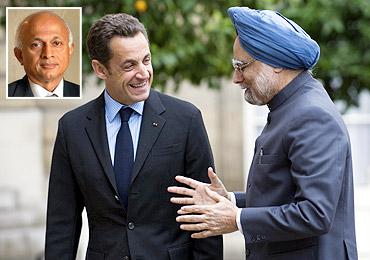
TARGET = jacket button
(126,258)
(131,225)
(116,197)
(247,252)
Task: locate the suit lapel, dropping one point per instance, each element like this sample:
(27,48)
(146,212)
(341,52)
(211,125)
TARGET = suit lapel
(151,126)
(96,130)
(70,89)
(67,89)
(23,89)
(28,92)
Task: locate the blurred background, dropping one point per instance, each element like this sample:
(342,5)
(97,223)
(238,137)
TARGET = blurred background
(191,44)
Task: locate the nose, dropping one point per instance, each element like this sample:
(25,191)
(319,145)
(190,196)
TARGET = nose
(142,72)
(46,51)
(237,77)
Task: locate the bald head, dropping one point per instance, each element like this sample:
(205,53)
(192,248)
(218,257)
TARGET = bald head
(39,18)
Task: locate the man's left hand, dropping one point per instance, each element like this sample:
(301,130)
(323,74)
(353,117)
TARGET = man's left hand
(209,220)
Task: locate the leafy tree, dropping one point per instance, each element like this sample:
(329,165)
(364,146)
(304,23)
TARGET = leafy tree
(192,39)
(342,29)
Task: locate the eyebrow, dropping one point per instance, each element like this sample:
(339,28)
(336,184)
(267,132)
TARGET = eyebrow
(133,60)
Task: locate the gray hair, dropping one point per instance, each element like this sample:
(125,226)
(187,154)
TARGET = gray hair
(18,42)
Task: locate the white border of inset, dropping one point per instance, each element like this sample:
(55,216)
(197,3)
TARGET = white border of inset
(6,50)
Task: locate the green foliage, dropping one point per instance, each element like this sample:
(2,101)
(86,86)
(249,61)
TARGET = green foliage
(192,40)
(342,28)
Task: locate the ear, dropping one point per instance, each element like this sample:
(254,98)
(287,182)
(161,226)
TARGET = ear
(18,55)
(100,70)
(278,70)
(71,48)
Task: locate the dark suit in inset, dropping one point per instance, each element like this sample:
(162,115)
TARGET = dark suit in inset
(21,88)
(172,141)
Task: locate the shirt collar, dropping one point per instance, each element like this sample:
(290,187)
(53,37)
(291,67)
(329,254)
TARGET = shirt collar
(112,107)
(39,91)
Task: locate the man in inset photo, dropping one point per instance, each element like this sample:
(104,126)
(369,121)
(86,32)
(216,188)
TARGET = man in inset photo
(43,45)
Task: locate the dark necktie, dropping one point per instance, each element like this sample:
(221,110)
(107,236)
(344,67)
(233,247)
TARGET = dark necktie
(124,156)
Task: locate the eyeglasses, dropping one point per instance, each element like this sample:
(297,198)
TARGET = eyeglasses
(239,65)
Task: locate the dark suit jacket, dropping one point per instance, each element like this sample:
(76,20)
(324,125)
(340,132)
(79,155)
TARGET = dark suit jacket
(21,88)
(82,176)
(299,198)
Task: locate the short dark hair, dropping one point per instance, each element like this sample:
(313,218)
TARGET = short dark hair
(109,26)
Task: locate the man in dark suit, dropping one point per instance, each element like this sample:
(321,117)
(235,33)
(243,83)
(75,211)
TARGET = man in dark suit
(44,45)
(116,155)
(22,88)
(298,202)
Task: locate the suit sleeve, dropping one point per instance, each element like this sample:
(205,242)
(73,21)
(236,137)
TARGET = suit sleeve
(240,198)
(64,207)
(198,158)
(317,148)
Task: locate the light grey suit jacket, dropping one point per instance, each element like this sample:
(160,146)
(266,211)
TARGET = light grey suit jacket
(298,202)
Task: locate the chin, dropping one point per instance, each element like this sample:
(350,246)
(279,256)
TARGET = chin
(48,78)
(144,97)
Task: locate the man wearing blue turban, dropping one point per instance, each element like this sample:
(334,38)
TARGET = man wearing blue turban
(298,202)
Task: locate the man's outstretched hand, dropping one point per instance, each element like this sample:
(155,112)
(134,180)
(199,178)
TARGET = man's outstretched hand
(196,193)
(207,208)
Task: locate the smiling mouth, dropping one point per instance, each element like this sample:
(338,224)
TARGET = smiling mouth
(141,85)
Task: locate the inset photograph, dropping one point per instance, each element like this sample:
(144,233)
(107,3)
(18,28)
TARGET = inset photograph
(43,52)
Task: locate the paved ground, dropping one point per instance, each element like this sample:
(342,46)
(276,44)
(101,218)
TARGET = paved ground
(234,244)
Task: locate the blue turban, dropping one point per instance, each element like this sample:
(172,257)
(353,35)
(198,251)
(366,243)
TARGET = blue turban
(274,39)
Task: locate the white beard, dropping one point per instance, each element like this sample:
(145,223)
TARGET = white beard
(264,87)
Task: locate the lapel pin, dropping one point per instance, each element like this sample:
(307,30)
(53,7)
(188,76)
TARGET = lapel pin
(155,124)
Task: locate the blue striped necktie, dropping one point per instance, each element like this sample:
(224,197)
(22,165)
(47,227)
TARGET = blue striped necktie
(124,156)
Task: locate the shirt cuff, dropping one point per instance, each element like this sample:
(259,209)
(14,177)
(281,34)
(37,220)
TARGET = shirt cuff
(232,198)
(238,220)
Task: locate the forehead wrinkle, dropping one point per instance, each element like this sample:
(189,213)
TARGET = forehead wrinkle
(239,52)
(38,38)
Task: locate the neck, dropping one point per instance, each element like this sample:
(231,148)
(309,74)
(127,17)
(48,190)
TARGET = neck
(286,76)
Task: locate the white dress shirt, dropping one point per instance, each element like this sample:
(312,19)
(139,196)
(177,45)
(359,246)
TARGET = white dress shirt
(113,122)
(233,200)
(39,91)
